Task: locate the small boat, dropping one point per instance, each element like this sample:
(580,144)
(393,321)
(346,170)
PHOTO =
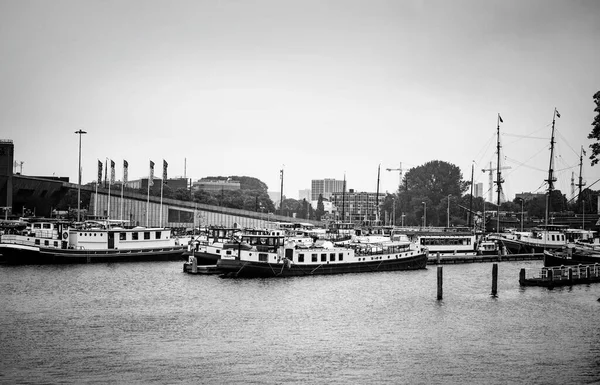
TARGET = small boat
(450,241)
(54,242)
(544,237)
(571,255)
(272,257)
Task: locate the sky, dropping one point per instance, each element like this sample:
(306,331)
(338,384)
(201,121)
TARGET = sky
(320,89)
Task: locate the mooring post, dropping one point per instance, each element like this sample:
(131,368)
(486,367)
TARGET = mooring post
(522,277)
(194,265)
(588,271)
(570,275)
(494,279)
(440,281)
(438,257)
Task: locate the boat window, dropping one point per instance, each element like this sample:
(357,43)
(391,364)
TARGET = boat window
(300,257)
(263,257)
(55,243)
(157,236)
(332,257)
(37,225)
(314,257)
(47,226)
(122,236)
(323,257)
(340,256)
(146,235)
(135,236)
(46,243)
(37,242)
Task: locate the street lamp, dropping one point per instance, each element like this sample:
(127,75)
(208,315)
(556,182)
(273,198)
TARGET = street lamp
(522,214)
(424,214)
(448,224)
(80,132)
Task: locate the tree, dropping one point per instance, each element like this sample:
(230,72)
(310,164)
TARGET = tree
(595,134)
(320,208)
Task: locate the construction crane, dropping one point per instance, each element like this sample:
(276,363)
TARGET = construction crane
(491,171)
(399,169)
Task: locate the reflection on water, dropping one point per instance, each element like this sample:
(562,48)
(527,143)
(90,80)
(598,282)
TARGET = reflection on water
(145,322)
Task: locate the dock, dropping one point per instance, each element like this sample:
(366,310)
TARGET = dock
(474,258)
(560,275)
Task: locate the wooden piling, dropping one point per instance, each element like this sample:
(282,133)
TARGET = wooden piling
(194,265)
(440,281)
(494,279)
(522,277)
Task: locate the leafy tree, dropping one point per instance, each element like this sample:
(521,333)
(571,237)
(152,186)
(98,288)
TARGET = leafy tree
(595,134)
(182,194)
(320,208)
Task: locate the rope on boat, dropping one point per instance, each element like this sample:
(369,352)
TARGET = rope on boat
(315,269)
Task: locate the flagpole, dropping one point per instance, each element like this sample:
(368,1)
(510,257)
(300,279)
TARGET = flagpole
(148,202)
(109,183)
(122,185)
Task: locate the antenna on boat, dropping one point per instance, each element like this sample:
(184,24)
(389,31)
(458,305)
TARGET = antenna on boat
(551,179)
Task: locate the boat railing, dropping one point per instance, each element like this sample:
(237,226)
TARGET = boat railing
(561,273)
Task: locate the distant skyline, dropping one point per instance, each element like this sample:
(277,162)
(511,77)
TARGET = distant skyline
(320,89)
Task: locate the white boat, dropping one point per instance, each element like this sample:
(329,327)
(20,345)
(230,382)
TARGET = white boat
(56,242)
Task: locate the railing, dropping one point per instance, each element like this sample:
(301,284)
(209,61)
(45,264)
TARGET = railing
(563,273)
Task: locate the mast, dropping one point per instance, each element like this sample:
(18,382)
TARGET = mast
(344,199)
(471,200)
(281,195)
(499,180)
(581,182)
(551,179)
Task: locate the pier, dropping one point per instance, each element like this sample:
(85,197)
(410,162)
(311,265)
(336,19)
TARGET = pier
(474,258)
(560,276)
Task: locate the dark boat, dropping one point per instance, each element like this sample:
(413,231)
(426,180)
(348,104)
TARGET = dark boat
(569,256)
(274,258)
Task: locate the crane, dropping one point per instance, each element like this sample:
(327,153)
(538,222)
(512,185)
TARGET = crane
(399,169)
(491,171)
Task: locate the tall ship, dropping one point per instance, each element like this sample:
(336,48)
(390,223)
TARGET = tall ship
(56,242)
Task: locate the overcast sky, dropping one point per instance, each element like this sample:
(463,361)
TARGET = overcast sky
(321,89)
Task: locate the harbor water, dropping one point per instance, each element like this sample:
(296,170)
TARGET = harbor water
(151,323)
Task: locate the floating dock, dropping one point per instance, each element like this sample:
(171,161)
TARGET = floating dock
(560,275)
(192,267)
(473,258)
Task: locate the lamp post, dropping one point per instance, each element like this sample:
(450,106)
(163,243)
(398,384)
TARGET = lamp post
(403,219)
(522,214)
(448,223)
(424,214)
(80,132)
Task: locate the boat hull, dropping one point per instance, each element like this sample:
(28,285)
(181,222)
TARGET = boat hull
(555,259)
(20,255)
(514,246)
(233,268)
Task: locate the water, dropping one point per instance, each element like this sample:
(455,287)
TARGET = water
(149,322)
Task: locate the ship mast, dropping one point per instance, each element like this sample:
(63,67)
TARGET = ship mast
(344,199)
(581,182)
(377,198)
(551,179)
(499,179)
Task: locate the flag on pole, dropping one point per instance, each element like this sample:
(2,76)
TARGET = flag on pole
(500,117)
(112,172)
(165,165)
(125,169)
(150,179)
(99,172)
(557,113)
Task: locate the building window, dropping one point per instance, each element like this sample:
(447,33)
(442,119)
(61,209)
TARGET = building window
(135,236)
(146,235)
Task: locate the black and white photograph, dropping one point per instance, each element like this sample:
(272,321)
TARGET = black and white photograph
(299,192)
